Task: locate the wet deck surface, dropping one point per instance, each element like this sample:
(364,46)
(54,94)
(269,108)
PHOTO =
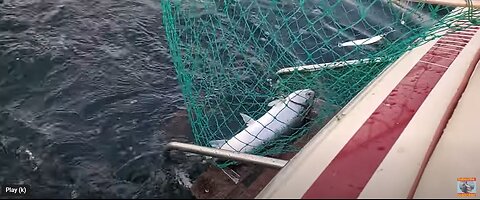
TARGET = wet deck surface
(221,187)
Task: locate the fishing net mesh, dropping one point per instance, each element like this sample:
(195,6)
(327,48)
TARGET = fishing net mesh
(235,56)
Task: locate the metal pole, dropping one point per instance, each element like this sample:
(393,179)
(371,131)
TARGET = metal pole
(331,65)
(232,155)
(456,3)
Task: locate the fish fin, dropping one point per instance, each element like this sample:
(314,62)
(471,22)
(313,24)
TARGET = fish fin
(247,119)
(274,102)
(217,143)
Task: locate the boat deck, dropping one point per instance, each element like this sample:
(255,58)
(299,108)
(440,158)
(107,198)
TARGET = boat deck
(381,143)
(456,154)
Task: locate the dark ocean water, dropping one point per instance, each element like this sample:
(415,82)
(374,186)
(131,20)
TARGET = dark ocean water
(88,100)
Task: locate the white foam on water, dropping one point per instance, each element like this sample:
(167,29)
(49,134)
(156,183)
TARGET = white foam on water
(183,178)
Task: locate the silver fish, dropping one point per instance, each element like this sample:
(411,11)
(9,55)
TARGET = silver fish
(285,114)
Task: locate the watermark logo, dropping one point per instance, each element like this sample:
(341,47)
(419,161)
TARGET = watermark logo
(467,187)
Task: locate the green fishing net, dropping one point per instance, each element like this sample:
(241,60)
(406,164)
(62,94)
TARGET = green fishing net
(236,56)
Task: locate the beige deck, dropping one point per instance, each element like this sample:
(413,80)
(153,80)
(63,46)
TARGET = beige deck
(457,153)
(301,171)
(399,172)
(403,164)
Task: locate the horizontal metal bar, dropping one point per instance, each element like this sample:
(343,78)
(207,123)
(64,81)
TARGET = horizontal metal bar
(331,65)
(456,3)
(232,155)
